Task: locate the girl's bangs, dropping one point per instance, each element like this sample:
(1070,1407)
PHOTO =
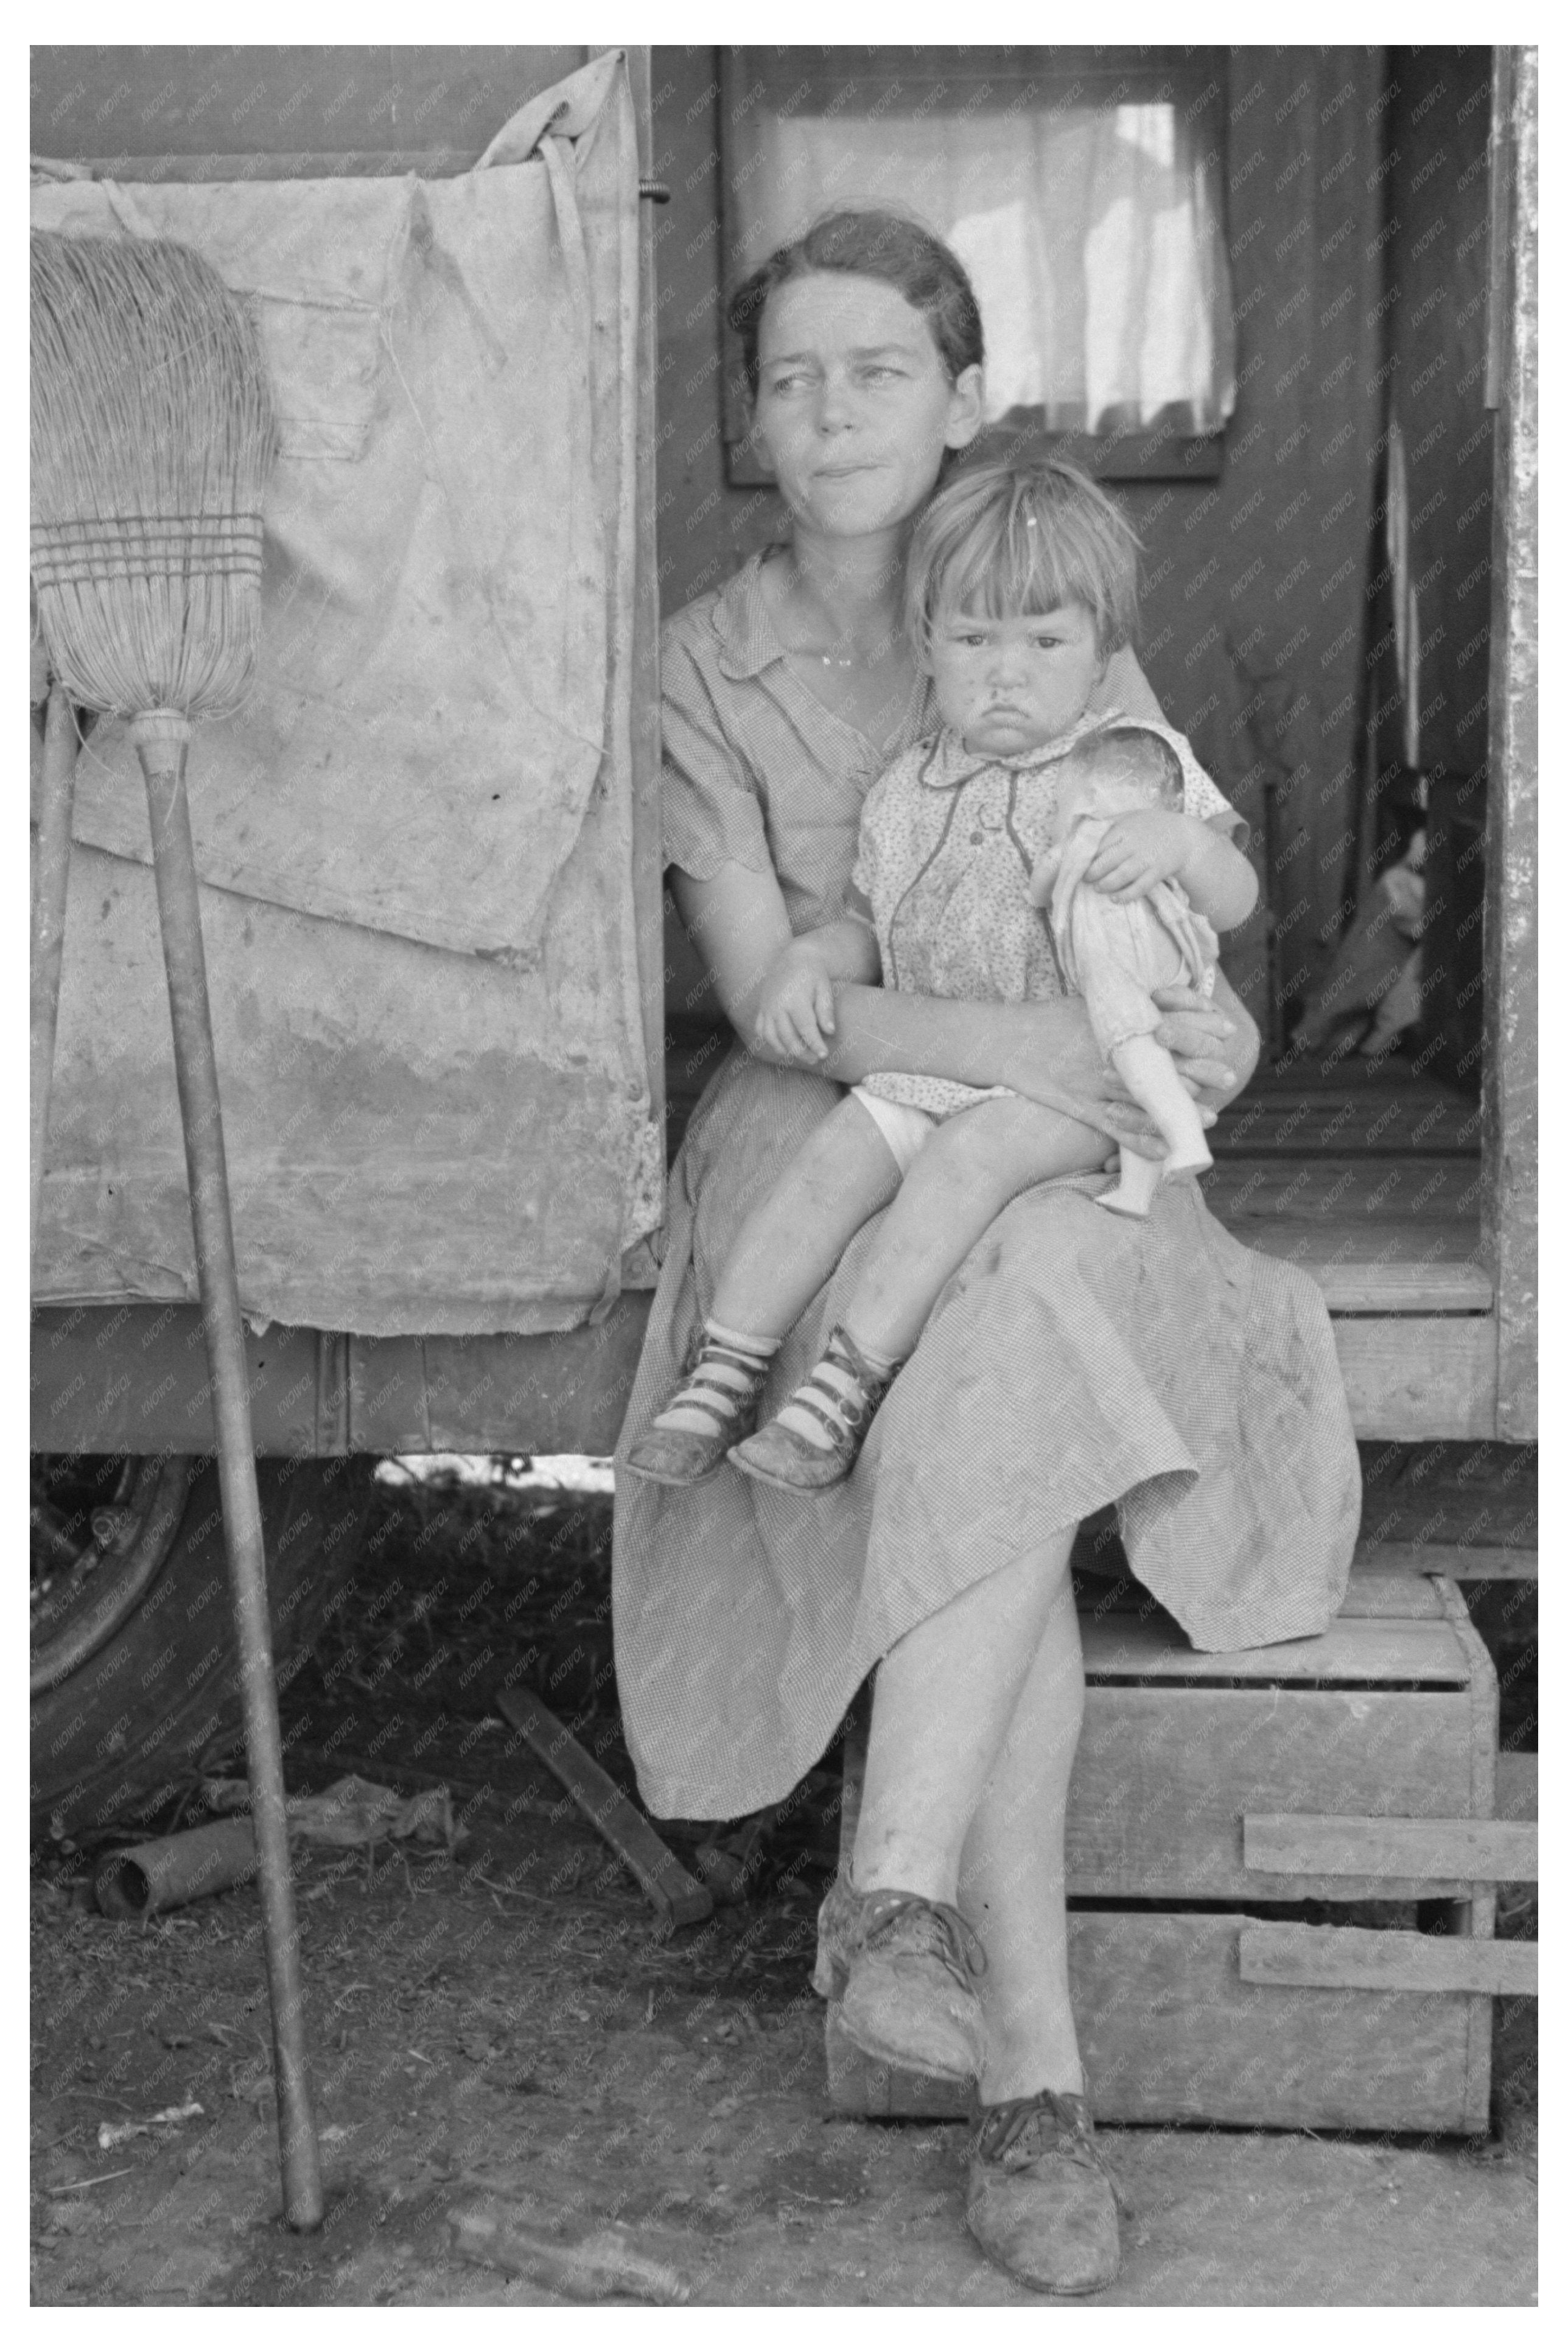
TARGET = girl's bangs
(1014,573)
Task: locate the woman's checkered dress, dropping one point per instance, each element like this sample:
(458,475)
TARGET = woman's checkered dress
(1076,1359)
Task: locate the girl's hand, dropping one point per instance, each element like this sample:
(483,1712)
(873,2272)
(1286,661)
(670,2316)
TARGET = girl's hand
(794,1015)
(1139,851)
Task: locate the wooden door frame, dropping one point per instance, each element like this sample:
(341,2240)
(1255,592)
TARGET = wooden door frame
(1509,1116)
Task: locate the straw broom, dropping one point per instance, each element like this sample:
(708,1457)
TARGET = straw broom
(151,440)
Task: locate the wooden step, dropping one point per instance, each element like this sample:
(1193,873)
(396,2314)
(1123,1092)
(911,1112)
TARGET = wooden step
(1384,1235)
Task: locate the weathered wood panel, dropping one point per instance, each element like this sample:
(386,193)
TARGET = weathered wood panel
(1391,1235)
(1511,1132)
(1371,1653)
(317,97)
(1419,1376)
(1345,1846)
(1170,2033)
(1474,1564)
(1370,1960)
(1164,1780)
(1375,1591)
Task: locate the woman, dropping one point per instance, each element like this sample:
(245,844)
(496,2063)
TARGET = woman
(1057,1374)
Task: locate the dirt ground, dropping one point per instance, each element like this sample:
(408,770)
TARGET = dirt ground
(509,2029)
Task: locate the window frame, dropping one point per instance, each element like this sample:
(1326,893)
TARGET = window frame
(1192,77)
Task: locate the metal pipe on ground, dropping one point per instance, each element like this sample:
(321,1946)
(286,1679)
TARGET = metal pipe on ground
(168,1872)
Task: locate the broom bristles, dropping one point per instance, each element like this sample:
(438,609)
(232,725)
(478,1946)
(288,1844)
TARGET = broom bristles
(153,437)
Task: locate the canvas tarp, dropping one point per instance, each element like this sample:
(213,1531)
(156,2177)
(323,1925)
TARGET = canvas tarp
(416,838)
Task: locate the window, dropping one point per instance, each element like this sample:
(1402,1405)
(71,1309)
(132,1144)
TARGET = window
(1082,189)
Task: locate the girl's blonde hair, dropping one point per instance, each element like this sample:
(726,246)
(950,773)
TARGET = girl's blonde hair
(1012,537)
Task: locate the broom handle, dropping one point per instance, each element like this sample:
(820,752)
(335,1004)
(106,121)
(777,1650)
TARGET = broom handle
(51,880)
(161,739)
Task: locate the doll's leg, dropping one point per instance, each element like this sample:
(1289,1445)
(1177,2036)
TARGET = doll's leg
(1149,1077)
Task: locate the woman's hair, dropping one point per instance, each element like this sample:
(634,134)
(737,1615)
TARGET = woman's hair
(882,245)
(1011,537)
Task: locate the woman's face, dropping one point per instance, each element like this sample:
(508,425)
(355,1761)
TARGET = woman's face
(854,407)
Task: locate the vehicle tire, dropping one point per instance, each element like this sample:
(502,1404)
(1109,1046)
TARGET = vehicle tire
(118,1733)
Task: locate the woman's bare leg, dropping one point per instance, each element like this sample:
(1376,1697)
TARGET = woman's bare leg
(946,1695)
(1012,1883)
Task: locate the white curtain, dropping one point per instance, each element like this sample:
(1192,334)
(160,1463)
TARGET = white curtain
(1092,235)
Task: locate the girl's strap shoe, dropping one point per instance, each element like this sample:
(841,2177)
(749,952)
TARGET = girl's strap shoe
(841,1395)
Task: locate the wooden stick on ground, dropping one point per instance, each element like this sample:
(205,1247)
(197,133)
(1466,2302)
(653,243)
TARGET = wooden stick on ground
(669,1887)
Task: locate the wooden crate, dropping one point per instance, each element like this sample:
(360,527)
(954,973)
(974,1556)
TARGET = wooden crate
(1224,1810)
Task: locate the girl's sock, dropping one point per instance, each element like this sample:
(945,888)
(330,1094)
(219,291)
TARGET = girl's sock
(731,1366)
(846,1375)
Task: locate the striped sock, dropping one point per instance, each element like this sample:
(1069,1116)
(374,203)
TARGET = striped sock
(732,1366)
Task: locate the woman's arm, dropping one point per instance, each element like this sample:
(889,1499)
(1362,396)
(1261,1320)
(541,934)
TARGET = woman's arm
(738,922)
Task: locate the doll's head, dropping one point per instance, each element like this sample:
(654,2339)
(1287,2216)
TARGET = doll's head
(1022,583)
(1116,771)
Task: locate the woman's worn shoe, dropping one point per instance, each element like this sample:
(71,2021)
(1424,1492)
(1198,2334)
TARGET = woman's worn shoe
(842,1393)
(902,1969)
(720,1388)
(1042,2198)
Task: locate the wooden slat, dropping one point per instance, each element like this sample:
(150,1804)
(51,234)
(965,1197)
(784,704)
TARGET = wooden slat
(1282,1113)
(1394,1236)
(1358,1651)
(1390,1563)
(1389,1592)
(1171,2033)
(1369,1959)
(1374,1845)
(671,1889)
(1418,1376)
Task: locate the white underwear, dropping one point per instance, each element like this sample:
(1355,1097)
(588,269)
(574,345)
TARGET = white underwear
(903,1129)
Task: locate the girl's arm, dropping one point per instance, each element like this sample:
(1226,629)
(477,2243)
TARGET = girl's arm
(738,922)
(1156,844)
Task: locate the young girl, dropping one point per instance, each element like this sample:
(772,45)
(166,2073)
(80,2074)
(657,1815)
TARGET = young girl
(1022,584)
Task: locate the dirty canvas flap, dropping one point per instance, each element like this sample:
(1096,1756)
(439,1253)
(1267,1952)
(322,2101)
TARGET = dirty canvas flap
(437,1102)
(429,717)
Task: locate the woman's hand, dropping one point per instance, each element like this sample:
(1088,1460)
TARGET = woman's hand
(794,1017)
(1213,1041)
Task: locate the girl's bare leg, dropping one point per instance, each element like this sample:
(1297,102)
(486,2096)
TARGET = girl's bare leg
(969,1170)
(791,1242)
(946,1697)
(1012,1883)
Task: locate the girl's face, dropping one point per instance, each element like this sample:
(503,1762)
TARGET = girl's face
(854,408)
(1009,685)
